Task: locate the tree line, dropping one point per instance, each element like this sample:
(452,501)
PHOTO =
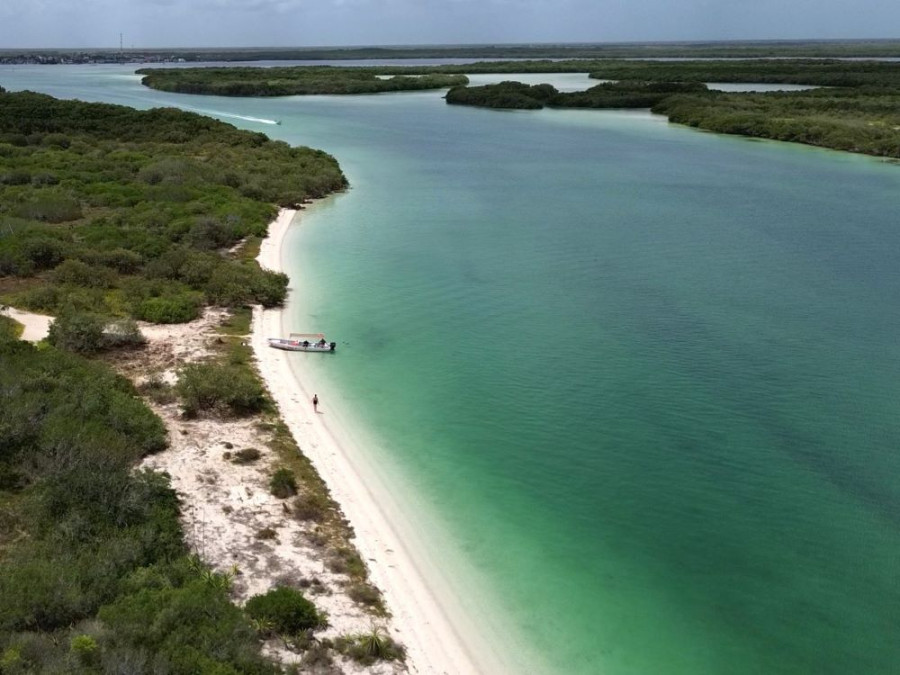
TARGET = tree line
(515,95)
(854,105)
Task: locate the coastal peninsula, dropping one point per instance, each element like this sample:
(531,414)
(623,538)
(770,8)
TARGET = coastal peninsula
(146,472)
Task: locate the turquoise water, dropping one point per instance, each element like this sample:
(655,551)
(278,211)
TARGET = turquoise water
(645,378)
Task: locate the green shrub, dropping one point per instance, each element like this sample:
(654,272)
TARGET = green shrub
(317,658)
(267,533)
(16,177)
(11,659)
(217,388)
(270,288)
(283,484)
(169,309)
(9,329)
(57,140)
(246,456)
(87,333)
(119,259)
(234,284)
(182,264)
(157,390)
(286,608)
(81,274)
(311,506)
(122,333)
(84,649)
(344,560)
(14,263)
(40,299)
(367,648)
(365,594)
(44,252)
(44,179)
(50,208)
(189,629)
(79,332)
(209,234)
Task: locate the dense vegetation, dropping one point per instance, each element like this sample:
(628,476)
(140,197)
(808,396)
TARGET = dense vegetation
(292,81)
(821,72)
(857,109)
(625,94)
(130,213)
(107,212)
(856,121)
(94,575)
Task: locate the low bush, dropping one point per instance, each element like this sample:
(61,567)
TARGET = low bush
(365,594)
(9,329)
(78,273)
(123,333)
(367,648)
(219,388)
(188,629)
(285,609)
(283,484)
(157,390)
(344,560)
(267,533)
(87,333)
(80,332)
(317,658)
(235,284)
(311,506)
(169,309)
(245,456)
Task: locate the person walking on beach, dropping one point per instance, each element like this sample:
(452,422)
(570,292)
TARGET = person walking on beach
(315,402)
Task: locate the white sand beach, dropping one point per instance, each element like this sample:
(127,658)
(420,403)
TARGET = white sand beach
(434,642)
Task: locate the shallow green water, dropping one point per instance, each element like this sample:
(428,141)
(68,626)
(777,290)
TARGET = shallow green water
(646,377)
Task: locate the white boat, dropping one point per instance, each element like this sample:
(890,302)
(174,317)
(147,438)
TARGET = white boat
(303,342)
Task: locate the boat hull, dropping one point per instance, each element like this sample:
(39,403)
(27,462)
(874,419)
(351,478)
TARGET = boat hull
(294,346)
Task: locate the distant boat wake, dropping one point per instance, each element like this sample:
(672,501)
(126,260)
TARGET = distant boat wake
(261,120)
(209,113)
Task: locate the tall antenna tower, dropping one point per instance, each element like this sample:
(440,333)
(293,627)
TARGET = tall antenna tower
(120,42)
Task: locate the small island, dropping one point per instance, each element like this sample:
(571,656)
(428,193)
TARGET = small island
(295,81)
(624,94)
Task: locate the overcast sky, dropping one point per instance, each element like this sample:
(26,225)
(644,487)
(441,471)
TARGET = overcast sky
(249,23)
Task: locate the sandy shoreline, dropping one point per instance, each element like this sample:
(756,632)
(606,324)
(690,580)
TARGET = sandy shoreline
(433,643)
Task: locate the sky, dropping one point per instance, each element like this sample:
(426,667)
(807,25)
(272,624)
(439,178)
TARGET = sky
(294,23)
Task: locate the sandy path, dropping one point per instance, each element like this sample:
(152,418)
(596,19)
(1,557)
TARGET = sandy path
(433,644)
(36,325)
